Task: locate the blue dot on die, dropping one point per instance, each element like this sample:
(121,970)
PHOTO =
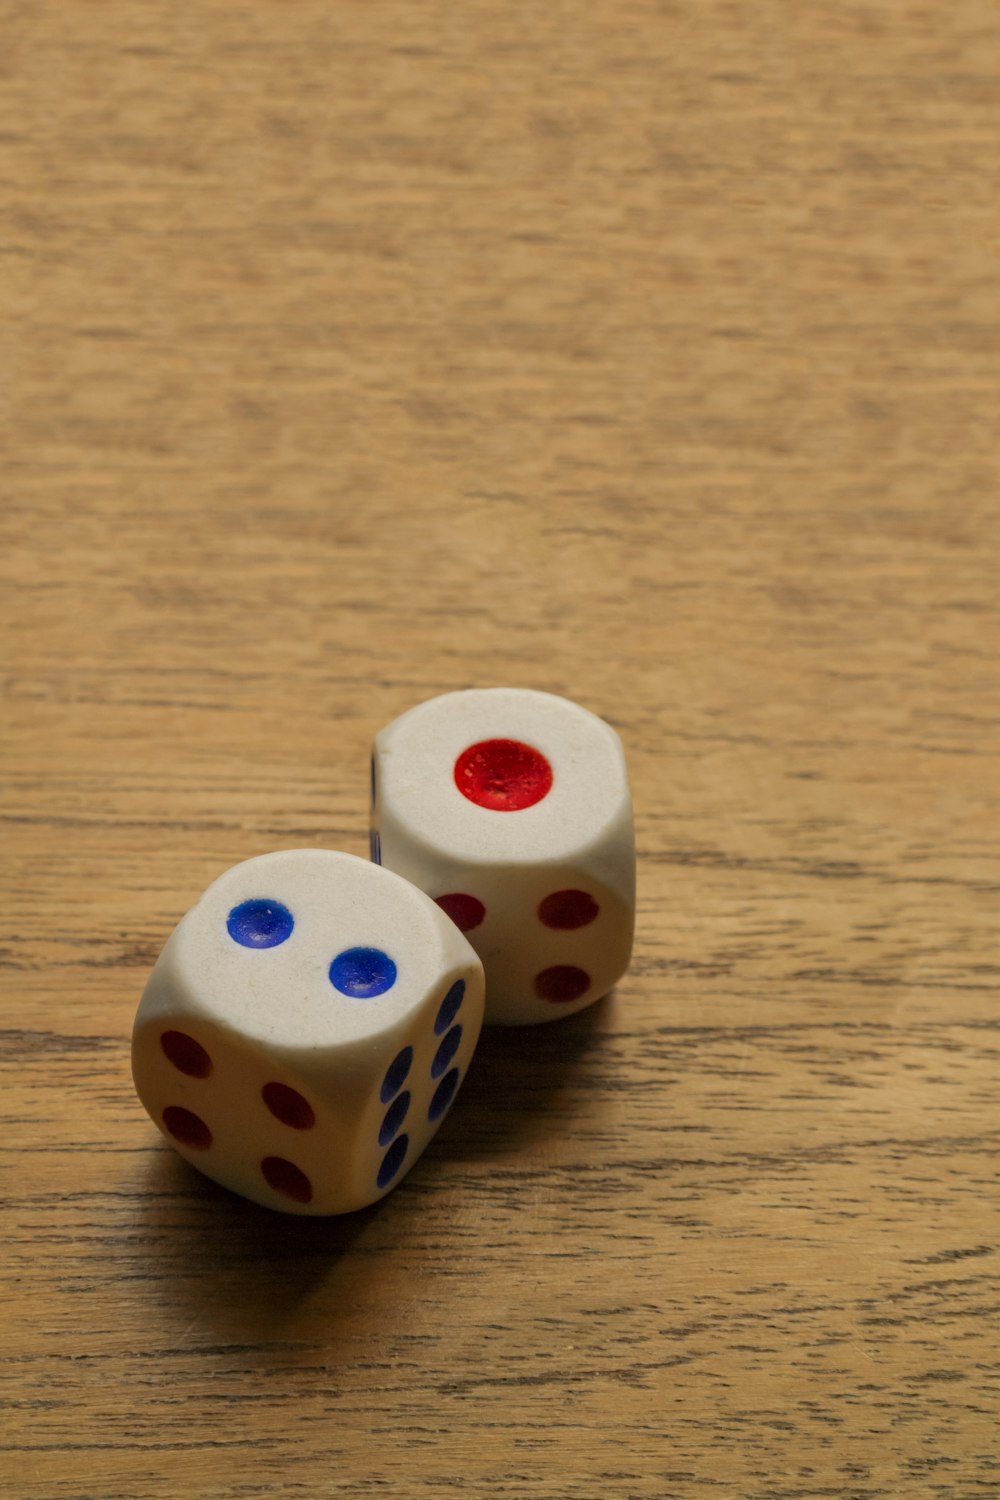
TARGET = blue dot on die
(394,1117)
(260,924)
(392,1161)
(449,1007)
(443,1095)
(446,1051)
(362,973)
(396,1074)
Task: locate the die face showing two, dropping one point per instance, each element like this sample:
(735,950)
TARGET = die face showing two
(305,1029)
(511,809)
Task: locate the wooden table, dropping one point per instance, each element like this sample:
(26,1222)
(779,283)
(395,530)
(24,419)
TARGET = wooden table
(647,353)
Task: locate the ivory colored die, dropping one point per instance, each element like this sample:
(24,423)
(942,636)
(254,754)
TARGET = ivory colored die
(511,808)
(305,1029)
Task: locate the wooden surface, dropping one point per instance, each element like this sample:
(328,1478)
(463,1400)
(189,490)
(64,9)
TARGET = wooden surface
(644,352)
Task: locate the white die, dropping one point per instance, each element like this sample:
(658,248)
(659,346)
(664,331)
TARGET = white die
(305,1029)
(511,808)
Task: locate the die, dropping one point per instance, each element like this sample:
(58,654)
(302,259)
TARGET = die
(511,808)
(305,1029)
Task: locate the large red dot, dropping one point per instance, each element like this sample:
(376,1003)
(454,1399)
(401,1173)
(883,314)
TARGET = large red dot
(465,911)
(503,775)
(562,983)
(567,910)
(286,1178)
(187,1055)
(185,1126)
(287,1105)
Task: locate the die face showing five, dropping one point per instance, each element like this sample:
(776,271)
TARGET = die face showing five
(511,808)
(305,1029)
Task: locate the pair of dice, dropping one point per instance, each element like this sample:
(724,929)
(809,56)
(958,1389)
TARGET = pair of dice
(308,1023)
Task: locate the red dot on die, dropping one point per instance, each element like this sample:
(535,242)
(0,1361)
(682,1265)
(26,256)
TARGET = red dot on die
(465,911)
(562,983)
(503,775)
(287,1105)
(185,1126)
(567,910)
(287,1179)
(187,1055)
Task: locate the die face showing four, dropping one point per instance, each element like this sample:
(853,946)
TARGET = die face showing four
(511,809)
(305,1030)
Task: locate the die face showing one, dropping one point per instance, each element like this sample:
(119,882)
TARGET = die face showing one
(305,1029)
(511,809)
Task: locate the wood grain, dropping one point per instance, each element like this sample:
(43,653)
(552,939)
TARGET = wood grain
(644,352)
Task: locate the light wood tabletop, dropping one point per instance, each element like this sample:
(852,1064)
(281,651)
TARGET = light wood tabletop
(643,352)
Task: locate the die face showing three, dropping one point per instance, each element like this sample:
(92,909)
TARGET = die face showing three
(305,1029)
(511,808)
